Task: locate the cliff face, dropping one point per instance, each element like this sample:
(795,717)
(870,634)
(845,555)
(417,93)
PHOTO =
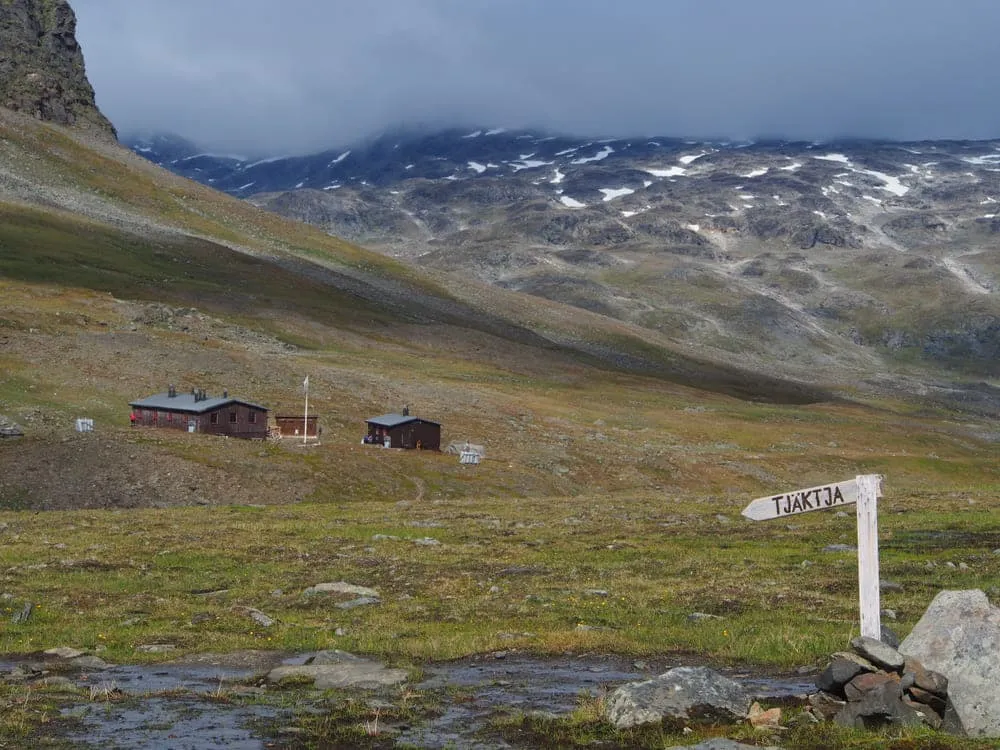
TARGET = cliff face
(41,65)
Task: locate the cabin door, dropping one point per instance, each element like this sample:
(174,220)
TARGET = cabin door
(408,438)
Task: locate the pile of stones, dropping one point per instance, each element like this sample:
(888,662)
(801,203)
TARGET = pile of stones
(876,685)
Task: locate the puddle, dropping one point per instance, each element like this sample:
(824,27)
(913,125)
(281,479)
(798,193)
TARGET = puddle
(178,706)
(181,723)
(522,684)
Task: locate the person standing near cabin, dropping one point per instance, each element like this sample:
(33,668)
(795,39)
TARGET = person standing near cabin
(131,418)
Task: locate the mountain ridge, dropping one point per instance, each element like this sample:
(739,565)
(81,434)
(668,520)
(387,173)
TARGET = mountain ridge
(856,255)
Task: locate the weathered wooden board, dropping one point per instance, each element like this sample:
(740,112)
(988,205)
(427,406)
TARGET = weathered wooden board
(824,497)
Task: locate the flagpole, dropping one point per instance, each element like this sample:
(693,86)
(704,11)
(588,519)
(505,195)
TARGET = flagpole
(305,418)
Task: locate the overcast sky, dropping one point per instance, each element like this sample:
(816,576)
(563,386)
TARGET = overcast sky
(285,76)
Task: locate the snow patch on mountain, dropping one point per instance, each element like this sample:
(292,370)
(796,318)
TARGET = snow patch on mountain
(611,193)
(668,172)
(834,157)
(604,153)
(339,158)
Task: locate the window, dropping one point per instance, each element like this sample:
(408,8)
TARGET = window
(214,419)
(232,417)
(252,419)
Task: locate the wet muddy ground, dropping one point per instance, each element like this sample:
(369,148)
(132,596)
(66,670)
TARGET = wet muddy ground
(216,702)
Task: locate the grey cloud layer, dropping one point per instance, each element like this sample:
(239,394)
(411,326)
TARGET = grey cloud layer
(304,74)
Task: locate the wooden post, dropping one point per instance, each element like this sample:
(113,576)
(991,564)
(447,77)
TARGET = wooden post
(305,417)
(864,489)
(869,490)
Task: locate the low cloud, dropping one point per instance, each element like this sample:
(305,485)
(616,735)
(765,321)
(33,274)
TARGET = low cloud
(267,77)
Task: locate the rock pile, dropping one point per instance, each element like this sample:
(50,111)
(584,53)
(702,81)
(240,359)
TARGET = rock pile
(876,685)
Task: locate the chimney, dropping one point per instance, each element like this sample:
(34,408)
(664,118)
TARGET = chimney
(406,410)
(171,391)
(225,393)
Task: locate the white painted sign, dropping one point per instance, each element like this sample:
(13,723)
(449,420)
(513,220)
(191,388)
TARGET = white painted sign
(468,457)
(824,497)
(84,425)
(864,490)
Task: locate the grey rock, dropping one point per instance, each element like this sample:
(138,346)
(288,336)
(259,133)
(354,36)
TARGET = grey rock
(259,617)
(700,616)
(688,693)
(959,637)
(23,615)
(889,637)
(340,587)
(926,679)
(841,670)
(90,663)
(339,669)
(826,704)
(878,653)
(877,708)
(64,652)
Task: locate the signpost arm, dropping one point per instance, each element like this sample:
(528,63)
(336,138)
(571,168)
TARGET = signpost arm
(869,490)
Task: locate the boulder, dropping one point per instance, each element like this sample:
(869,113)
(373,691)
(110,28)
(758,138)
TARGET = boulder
(959,637)
(340,587)
(339,669)
(686,693)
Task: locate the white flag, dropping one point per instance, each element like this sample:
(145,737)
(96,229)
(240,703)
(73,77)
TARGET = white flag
(305,383)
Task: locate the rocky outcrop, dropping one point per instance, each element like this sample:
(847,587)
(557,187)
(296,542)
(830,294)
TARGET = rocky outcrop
(685,693)
(41,66)
(875,686)
(959,636)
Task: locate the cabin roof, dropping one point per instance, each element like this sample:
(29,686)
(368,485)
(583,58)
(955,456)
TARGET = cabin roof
(185,402)
(394,420)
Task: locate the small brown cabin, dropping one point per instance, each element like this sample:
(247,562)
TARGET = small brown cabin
(404,431)
(198,412)
(293,426)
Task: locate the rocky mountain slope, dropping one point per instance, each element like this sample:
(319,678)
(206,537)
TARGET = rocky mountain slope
(41,66)
(818,260)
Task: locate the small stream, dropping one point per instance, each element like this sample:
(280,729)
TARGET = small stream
(197,706)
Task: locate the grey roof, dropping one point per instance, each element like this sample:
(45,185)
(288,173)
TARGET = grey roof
(185,402)
(394,420)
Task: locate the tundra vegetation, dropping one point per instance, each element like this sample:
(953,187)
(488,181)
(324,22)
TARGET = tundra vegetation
(606,512)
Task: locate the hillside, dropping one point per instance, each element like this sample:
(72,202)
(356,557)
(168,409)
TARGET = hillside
(850,262)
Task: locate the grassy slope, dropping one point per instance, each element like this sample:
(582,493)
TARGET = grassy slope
(594,481)
(111,184)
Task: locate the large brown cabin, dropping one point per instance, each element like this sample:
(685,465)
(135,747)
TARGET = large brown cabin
(404,431)
(198,412)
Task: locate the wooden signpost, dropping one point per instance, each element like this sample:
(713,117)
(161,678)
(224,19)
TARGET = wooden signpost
(863,491)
